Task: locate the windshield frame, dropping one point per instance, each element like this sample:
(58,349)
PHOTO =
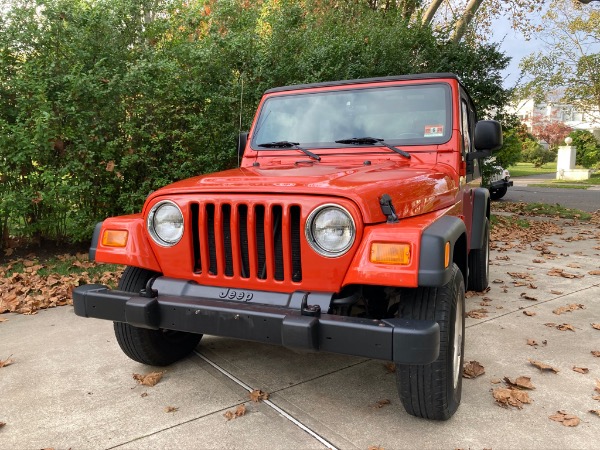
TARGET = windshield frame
(264,113)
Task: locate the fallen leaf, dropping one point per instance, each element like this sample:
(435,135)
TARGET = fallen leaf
(473,369)
(390,367)
(568,308)
(568,420)
(495,381)
(144,394)
(597,388)
(532,342)
(257,395)
(596,353)
(528,297)
(556,292)
(521,276)
(521,382)
(6,362)
(581,369)
(543,366)
(478,313)
(561,273)
(596,326)
(2,424)
(381,403)
(239,412)
(149,379)
(171,409)
(574,265)
(529,313)
(595,411)
(506,397)
(550,324)
(594,272)
(375,447)
(497,281)
(565,327)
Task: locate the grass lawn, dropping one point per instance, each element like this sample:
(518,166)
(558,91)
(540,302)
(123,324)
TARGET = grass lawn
(523,169)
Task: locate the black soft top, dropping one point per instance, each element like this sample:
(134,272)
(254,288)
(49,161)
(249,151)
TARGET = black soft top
(418,76)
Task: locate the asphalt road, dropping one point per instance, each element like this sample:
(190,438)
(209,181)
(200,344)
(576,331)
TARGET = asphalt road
(585,200)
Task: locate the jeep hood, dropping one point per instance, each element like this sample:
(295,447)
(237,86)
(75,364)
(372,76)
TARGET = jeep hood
(414,189)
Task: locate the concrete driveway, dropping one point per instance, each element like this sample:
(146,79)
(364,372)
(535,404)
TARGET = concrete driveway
(70,386)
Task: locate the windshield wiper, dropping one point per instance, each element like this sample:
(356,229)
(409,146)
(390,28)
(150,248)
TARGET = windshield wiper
(372,141)
(288,144)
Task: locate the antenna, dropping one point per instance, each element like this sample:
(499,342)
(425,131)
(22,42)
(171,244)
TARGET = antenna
(240,124)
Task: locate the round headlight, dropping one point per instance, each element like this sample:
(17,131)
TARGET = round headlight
(330,230)
(165,223)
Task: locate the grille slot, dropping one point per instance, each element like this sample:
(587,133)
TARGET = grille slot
(261,241)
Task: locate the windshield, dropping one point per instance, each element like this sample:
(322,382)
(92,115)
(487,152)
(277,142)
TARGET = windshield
(401,115)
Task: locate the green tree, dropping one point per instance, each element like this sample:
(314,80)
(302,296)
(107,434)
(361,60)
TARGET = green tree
(569,65)
(588,149)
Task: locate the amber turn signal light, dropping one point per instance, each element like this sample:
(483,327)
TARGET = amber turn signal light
(115,238)
(447,255)
(390,253)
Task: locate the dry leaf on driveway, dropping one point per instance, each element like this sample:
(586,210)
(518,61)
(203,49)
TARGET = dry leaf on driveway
(529,313)
(556,292)
(543,366)
(568,420)
(2,424)
(506,397)
(6,362)
(565,327)
(521,382)
(568,308)
(381,403)
(390,367)
(561,273)
(580,369)
(595,353)
(595,411)
(239,412)
(170,409)
(257,395)
(148,380)
(596,326)
(521,276)
(594,272)
(478,313)
(528,297)
(473,369)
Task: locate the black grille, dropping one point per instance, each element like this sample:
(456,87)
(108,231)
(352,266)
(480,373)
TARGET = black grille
(249,241)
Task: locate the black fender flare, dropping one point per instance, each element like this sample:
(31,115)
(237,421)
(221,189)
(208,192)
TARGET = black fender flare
(481,211)
(432,271)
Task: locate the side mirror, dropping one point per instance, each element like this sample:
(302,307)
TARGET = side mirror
(488,136)
(242,141)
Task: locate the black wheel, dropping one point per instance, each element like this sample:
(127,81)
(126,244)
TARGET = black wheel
(497,194)
(433,391)
(479,263)
(152,347)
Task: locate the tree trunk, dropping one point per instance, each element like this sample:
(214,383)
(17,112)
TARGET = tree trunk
(431,11)
(461,26)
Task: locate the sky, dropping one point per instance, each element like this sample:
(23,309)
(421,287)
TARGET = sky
(514,45)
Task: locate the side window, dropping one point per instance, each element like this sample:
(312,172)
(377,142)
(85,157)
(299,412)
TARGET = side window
(465,127)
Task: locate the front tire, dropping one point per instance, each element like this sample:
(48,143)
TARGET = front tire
(152,347)
(433,391)
(497,194)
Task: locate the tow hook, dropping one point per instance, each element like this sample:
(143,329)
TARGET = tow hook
(309,310)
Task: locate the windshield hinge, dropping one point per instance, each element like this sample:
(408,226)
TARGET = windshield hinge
(387,208)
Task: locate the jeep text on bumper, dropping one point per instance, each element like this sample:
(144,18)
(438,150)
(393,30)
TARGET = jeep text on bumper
(353,225)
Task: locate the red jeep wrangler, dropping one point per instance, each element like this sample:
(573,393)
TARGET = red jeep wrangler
(353,225)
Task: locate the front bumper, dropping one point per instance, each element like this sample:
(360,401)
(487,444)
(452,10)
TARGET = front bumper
(267,317)
(501,183)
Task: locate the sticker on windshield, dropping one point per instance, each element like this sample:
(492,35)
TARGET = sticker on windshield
(434,130)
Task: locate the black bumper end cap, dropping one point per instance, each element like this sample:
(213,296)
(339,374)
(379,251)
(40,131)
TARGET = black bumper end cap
(415,341)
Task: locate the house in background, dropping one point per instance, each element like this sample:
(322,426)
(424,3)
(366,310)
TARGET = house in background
(531,113)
